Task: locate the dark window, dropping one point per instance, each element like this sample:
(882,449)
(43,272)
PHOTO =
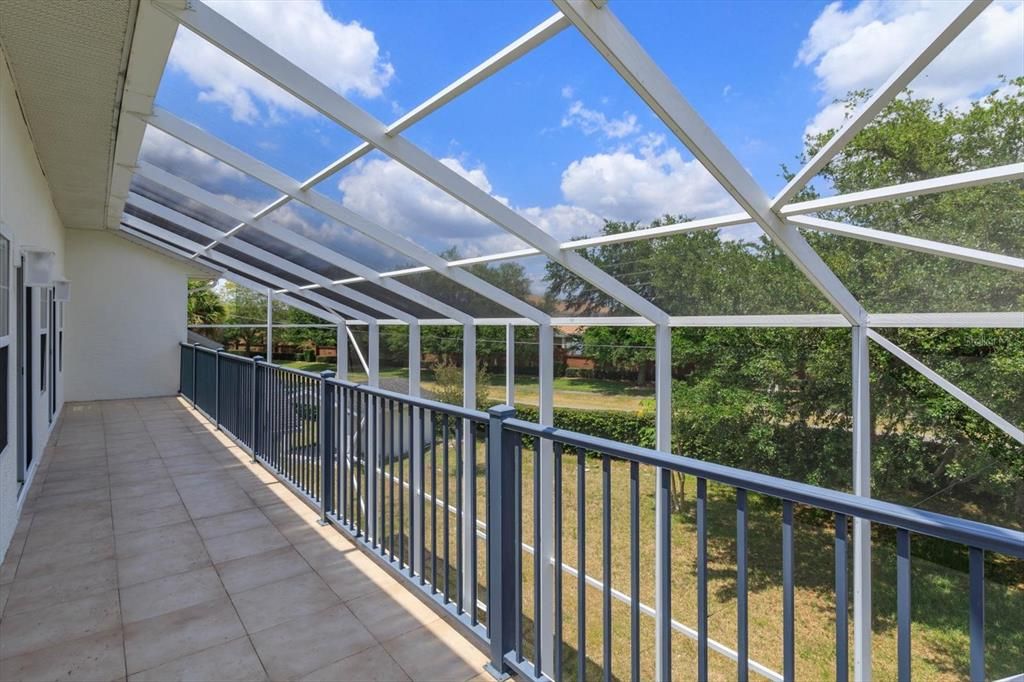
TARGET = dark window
(42,362)
(3,397)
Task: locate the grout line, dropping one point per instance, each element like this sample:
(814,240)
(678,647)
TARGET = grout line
(220,579)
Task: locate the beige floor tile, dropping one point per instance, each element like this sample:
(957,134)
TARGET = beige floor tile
(155,641)
(94,657)
(181,535)
(119,492)
(96,472)
(244,543)
(9,568)
(370,665)
(140,476)
(268,495)
(232,522)
(389,614)
(234,661)
(38,628)
(85,481)
(139,504)
(324,550)
(350,580)
(322,638)
(158,564)
(163,595)
(214,499)
(57,558)
(75,582)
(436,651)
(72,467)
(43,536)
(67,499)
(268,605)
(262,569)
(150,519)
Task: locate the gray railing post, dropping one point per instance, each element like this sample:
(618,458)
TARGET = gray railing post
(195,364)
(216,387)
(501,606)
(255,404)
(326,437)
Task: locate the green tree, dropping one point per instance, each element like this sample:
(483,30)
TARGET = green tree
(204,305)
(778,400)
(243,307)
(313,338)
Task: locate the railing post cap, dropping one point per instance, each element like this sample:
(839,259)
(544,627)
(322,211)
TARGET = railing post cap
(258,358)
(327,374)
(502,411)
(220,349)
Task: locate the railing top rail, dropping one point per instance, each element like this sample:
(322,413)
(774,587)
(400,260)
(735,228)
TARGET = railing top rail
(436,406)
(291,370)
(970,533)
(213,351)
(236,358)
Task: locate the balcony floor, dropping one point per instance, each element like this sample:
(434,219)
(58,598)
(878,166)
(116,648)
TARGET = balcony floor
(151,549)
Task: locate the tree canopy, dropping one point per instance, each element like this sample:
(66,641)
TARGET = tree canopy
(778,400)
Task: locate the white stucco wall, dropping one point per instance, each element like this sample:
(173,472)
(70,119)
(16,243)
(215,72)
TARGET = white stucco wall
(126,318)
(29,218)
(123,323)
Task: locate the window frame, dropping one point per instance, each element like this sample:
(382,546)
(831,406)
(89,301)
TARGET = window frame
(7,248)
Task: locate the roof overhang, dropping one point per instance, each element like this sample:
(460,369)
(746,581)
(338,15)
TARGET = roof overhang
(80,69)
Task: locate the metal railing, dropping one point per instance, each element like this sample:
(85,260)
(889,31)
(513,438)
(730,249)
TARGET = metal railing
(437,493)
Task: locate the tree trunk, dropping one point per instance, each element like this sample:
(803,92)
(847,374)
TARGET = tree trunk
(677,492)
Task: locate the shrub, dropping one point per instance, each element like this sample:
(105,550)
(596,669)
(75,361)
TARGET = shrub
(634,428)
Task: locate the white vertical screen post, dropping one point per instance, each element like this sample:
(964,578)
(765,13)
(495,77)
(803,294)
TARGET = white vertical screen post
(342,352)
(468,460)
(546,461)
(270,326)
(415,355)
(510,364)
(861,486)
(373,354)
(662,548)
(372,419)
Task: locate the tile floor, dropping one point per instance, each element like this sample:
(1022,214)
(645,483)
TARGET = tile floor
(151,549)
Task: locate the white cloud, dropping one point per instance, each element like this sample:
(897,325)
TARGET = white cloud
(395,197)
(862,46)
(643,185)
(591,121)
(564,222)
(173,156)
(343,55)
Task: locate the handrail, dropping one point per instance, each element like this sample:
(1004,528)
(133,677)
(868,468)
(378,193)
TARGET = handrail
(417,401)
(963,531)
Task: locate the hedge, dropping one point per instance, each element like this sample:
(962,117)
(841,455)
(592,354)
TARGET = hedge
(626,427)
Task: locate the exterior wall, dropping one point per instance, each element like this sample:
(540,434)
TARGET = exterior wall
(27,218)
(127,316)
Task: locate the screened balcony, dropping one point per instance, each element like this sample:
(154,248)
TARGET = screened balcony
(813,471)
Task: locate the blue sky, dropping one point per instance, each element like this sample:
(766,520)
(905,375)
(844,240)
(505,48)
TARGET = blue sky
(558,135)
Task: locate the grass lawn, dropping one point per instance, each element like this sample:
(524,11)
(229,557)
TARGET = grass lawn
(579,393)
